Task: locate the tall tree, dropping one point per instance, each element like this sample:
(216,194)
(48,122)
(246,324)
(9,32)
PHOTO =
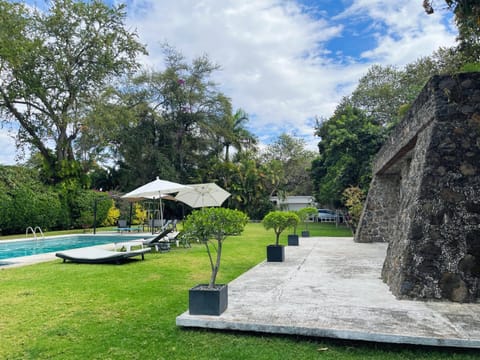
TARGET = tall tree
(248,186)
(52,65)
(349,140)
(233,133)
(289,156)
(188,102)
(386,92)
(467,18)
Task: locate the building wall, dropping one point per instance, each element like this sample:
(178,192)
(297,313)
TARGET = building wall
(293,202)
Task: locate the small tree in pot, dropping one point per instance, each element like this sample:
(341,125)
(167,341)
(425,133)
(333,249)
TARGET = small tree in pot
(294,221)
(206,225)
(304,214)
(278,221)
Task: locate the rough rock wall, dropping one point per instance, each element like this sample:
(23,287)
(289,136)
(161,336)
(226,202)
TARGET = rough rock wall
(427,177)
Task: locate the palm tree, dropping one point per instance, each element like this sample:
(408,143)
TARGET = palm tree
(234,134)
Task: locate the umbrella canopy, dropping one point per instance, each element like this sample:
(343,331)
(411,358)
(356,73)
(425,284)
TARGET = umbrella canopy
(156,189)
(140,198)
(202,195)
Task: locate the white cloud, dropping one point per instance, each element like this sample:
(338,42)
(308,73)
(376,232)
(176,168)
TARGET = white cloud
(273,54)
(273,63)
(7,148)
(403,30)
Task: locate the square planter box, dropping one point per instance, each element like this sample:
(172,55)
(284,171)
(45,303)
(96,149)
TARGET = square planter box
(292,240)
(205,301)
(275,253)
(305,233)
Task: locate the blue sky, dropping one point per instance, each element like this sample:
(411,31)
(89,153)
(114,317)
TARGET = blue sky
(285,61)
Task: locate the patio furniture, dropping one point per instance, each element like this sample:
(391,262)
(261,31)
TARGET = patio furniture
(122,226)
(156,241)
(97,255)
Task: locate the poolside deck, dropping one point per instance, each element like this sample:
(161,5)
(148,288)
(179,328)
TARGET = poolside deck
(34,259)
(331,287)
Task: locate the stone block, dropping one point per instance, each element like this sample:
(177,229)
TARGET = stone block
(426,185)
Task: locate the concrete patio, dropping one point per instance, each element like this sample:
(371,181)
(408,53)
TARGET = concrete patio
(331,287)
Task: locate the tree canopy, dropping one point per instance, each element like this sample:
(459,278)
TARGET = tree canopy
(355,132)
(290,163)
(349,140)
(467,18)
(56,63)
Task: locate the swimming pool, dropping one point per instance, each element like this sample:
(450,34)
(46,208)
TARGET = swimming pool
(18,248)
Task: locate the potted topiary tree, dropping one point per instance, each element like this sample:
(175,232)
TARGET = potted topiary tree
(212,224)
(292,239)
(304,214)
(278,221)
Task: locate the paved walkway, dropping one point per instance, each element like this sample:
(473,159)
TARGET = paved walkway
(331,287)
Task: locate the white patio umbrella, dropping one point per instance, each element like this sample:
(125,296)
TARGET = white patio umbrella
(156,189)
(202,195)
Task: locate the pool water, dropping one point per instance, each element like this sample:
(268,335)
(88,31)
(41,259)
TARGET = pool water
(13,249)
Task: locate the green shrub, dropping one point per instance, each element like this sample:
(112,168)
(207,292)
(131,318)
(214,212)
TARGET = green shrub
(82,207)
(27,202)
(113,215)
(294,220)
(353,198)
(306,213)
(279,221)
(140,214)
(216,224)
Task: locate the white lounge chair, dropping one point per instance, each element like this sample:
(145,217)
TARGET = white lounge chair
(98,255)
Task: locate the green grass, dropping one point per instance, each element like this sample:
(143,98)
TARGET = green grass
(54,310)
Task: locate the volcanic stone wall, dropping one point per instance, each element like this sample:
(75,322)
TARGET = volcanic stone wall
(424,198)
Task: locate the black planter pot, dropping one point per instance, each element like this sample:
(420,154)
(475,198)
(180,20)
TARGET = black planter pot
(292,240)
(305,233)
(205,301)
(275,253)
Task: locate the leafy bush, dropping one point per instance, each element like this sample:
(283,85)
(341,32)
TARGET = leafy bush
(353,197)
(306,213)
(279,221)
(217,224)
(140,214)
(27,202)
(294,220)
(113,215)
(83,204)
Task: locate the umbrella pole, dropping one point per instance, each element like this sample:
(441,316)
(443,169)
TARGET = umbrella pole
(161,213)
(130,220)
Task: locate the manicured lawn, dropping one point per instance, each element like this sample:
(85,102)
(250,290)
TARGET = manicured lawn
(72,311)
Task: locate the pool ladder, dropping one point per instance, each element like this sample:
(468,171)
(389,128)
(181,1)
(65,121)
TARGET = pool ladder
(34,232)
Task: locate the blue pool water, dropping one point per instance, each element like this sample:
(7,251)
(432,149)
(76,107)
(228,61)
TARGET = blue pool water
(13,249)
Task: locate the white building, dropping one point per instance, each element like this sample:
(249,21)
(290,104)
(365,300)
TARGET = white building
(293,202)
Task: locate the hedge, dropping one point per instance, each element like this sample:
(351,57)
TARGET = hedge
(25,201)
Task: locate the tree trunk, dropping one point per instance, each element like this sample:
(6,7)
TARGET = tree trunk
(217,266)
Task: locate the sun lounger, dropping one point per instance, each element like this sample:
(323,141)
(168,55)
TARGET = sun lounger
(159,242)
(127,245)
(98,255)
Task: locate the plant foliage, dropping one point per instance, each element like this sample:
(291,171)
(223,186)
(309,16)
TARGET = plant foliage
(214,224)
(279,221)
(353,197)
(305,213)
(53,64)
(27,202)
